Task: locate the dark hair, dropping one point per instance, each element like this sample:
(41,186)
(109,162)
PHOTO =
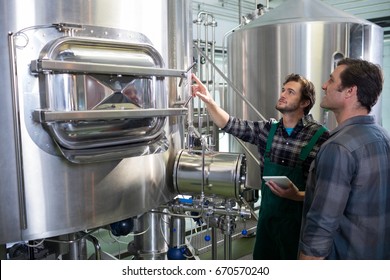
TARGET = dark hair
(366,76)
(307,90)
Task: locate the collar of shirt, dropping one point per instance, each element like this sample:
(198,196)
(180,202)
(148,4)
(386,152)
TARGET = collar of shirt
(368,119)
(302,122)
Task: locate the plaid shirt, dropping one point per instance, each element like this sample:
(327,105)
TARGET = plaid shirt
(347,202)
(285,148)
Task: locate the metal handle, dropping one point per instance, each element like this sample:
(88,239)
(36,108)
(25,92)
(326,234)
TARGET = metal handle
(44,116)
(46,65)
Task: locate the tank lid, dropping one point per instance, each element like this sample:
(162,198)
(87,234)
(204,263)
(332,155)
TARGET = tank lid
(305,10)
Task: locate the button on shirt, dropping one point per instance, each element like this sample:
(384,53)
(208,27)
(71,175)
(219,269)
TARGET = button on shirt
(347,202)
(285,148)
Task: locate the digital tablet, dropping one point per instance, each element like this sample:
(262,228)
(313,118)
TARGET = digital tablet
(282,181)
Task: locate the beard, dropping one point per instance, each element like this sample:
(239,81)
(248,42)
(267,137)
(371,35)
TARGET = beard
(287,108)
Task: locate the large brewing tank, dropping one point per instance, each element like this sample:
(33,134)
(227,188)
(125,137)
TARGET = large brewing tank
(58,172)
(307,37)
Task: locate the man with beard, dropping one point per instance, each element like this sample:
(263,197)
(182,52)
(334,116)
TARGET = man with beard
(286,148)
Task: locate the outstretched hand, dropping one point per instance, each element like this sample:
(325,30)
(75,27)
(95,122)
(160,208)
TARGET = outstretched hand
(219,116)
(200,90)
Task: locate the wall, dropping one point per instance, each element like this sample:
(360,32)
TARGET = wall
(386,88)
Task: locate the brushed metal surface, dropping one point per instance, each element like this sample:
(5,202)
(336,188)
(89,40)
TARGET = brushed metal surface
(213,174)
(42,194)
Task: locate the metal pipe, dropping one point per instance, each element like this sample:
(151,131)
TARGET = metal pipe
(203,169)
(239,11)
(214,244)
(198,40)
(215,130)
(209,21)
(96,246)
(207,79)
(218,211)
(17,136)
(177,232)
(227,242)
(74,252)
(212,54)
(250,208)
(230,83)
(254,157)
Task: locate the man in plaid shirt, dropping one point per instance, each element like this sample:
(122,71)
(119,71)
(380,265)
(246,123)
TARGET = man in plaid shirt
(287,148)
(347,202)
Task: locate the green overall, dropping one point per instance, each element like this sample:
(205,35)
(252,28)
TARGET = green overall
(279,223)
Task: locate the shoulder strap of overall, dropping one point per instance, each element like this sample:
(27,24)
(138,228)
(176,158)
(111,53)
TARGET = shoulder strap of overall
(307,149)
(274,126)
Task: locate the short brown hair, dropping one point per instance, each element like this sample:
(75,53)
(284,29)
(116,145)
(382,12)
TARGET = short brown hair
(366,76)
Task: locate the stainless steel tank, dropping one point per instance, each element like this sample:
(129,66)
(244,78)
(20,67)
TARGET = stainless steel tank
(76,152)
(307,37)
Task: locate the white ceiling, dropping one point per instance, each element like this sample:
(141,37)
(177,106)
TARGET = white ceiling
(377,11)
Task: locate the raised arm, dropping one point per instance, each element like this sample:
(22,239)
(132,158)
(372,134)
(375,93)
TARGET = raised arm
(219,116)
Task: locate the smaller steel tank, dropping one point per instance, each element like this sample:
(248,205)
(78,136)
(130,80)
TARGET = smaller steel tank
(211,173)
